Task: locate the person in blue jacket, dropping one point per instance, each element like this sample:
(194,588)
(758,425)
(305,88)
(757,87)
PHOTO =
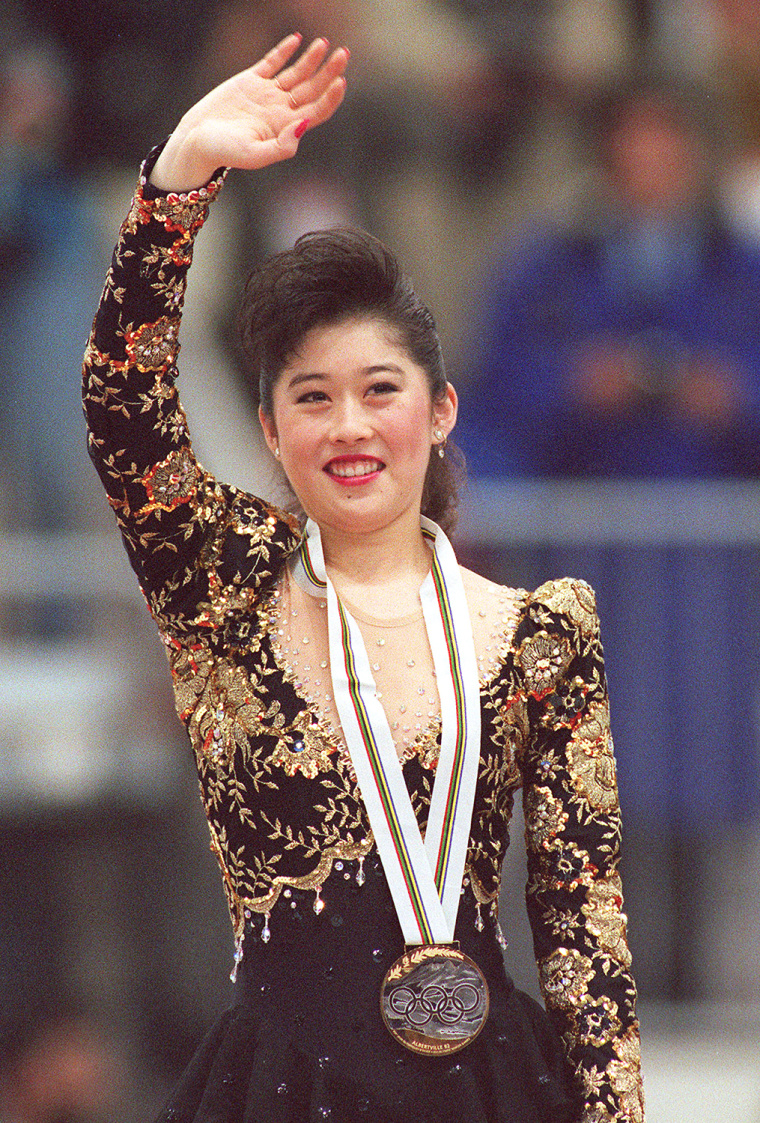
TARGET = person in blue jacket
(626,345)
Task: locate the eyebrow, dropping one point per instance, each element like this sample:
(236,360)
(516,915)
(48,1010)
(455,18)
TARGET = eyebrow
(377,368)
(297,379)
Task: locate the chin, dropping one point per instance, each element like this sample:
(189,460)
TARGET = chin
(367,521)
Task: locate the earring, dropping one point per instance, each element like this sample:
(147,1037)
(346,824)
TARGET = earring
(277,452)
(440,438)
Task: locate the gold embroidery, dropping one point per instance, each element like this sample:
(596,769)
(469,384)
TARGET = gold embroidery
(217,703)
(596,1022)
(591,759)
(545,815)
(563,922)
(514,729)
(543,659)
(565,865)
(314,880)
(185,220)
(574,599)
(152,346)
(592,1081)
(598,1113)
(171,482)
(565,976)
(606,921)
(309,755)
(625,1076)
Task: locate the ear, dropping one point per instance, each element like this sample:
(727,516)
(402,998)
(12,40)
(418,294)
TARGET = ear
(445,411)
(269,431)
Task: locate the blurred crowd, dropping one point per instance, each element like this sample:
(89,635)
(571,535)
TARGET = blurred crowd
(574,186)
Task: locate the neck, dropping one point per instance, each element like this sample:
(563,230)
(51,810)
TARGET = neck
(378,570)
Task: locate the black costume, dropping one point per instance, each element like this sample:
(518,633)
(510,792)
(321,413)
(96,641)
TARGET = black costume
(311,909)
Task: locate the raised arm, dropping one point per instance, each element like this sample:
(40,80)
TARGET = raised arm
(188,537)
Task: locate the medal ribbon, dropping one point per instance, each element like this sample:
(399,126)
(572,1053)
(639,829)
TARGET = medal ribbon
(425,879)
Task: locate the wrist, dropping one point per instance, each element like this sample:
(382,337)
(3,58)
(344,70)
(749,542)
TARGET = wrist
(152,194)
(180,167)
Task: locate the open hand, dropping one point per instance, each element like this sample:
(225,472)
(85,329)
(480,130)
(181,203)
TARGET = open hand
(255,118)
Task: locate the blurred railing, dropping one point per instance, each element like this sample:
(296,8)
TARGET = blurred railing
(494,513)
(611,512)
(82,564)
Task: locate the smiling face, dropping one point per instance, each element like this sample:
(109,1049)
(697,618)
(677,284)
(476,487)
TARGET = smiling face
(353,420)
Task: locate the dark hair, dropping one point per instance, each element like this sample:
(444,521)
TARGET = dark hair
(335,275)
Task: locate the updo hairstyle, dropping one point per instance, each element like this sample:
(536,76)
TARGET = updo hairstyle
(331,276)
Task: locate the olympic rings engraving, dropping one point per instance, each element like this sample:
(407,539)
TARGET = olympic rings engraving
(434,1000)
(449,1005)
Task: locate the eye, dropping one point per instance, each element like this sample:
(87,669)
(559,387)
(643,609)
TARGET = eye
(383,388)
(311,396)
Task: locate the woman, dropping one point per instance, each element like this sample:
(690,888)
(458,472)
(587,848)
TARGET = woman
(350,690)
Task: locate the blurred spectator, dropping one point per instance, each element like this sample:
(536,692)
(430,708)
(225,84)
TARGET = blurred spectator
(49,266)
(736,39)
(57,1069)
(626,346)
(590,41)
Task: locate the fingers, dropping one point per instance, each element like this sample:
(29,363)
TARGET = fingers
(305,66)
(325,105)
(312,87)
(274,60)
(281,147)
(266,109)
(314,83)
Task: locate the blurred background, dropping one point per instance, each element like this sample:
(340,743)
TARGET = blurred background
(574,186)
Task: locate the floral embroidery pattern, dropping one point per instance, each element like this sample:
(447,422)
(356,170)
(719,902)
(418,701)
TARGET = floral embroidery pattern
(565,976)
(543,658)
(152,346)
(171,482)
(280,796)
(605,919)
(597,1023)
(592,761)
(309,755)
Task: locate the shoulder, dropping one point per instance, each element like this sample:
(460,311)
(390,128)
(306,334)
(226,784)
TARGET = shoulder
(261,522)
(251,541)
(567,597)
(494,614)
(558,635)
(254,510)
(570,598)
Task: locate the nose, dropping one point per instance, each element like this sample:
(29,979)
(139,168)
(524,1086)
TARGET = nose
(349,421)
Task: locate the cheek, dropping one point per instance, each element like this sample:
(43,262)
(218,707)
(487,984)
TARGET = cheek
(413,429)
(293,432)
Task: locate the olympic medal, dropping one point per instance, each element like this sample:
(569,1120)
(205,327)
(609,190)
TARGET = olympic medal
(434,999)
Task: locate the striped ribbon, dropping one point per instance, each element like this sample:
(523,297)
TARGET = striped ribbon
(425,878)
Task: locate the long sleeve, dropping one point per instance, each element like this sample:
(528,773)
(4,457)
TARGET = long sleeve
(197,546)
(573,834)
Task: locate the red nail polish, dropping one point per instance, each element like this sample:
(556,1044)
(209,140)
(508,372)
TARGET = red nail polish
(301,129)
